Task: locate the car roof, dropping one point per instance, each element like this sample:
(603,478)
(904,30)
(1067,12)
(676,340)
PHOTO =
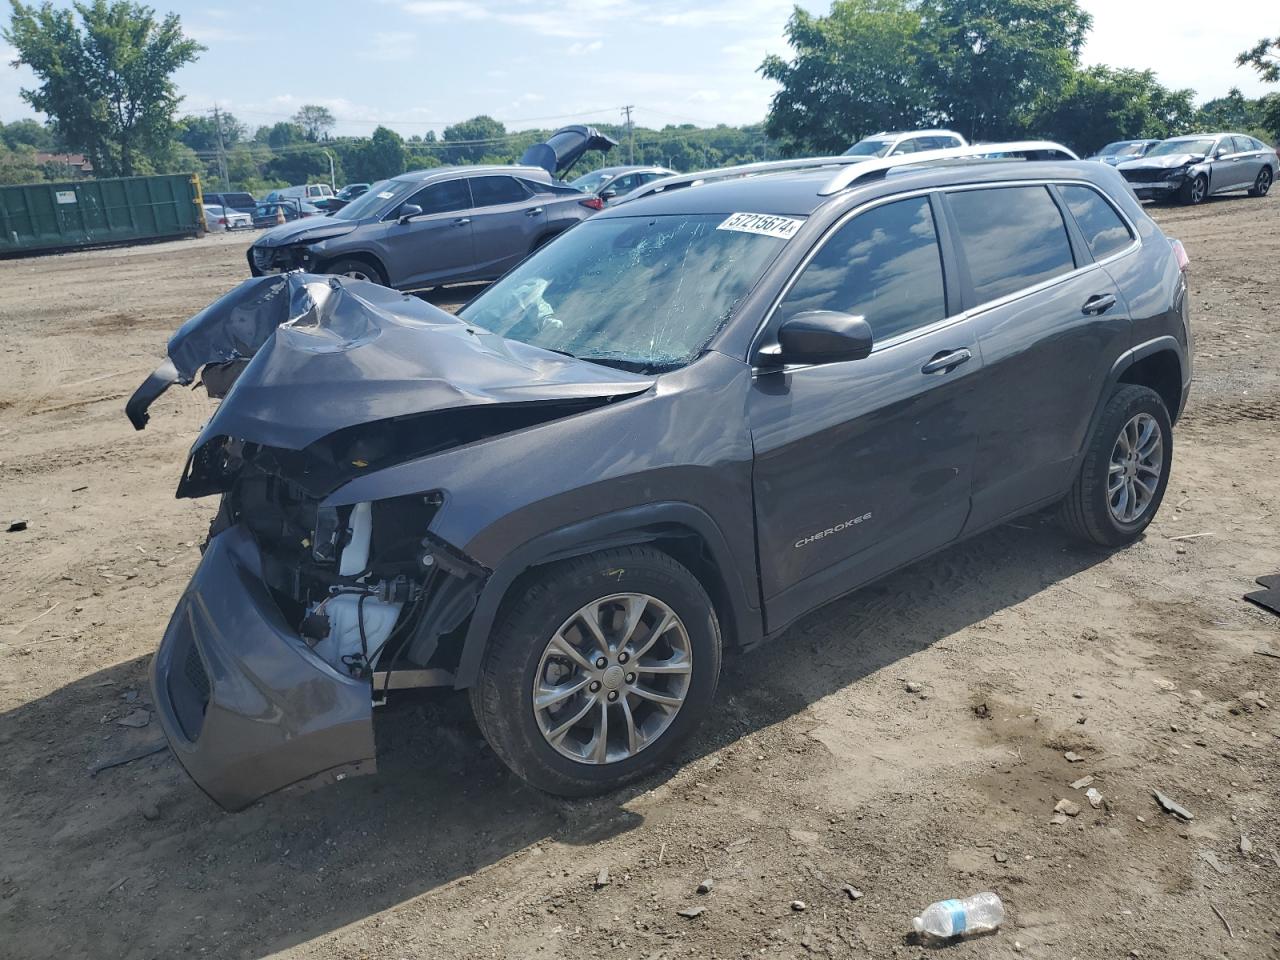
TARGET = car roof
(436,173)
(797,193)
(618,171)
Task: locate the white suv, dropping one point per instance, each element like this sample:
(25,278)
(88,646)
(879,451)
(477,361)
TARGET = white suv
(912,141)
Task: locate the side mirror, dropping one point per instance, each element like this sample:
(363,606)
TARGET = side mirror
(608,194)
(823,336)
(409,210)
(1220,153)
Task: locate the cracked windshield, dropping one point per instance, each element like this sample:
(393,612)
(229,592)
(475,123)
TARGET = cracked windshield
(643,294)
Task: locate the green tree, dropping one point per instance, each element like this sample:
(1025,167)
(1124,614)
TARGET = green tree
(1263,56)
(316,121)
(855,71)
(27,132)
(384,156)
(200,133)
(105,81)
(299,165)
(470,140)
(19,165)
(992,63)
(1100,105)
(282,134)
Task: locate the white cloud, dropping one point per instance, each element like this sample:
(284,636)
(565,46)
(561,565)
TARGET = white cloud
(581,48)
(464,9)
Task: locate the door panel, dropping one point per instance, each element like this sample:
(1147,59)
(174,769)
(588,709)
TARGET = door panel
(436,243)
(865,465)
(1048,335)
(860,467)
(506,222)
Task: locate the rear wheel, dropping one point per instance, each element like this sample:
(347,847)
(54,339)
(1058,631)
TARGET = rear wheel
(1195,190)
(357,269)
(597,670)
(1263,184)
(1125,469)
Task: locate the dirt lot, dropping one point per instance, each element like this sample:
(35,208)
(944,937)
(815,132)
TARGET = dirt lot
(819,768)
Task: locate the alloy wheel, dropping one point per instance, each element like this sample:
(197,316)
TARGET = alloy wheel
(1133,477)
(1263,184)
(1198,190)
(357,275)
(612,678)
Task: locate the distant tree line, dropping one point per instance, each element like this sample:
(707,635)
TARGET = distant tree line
(991,69)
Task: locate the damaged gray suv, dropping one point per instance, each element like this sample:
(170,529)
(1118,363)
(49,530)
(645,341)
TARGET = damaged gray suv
(667,434)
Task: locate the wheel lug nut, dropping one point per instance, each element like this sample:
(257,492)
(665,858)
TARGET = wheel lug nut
(631,678)
(613,695)
(623,658)
(595,685)
(601,663)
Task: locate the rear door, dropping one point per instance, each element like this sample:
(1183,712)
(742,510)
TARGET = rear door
(1050,322)
(506,222)
(433,245)
(1249,160)
(863,466)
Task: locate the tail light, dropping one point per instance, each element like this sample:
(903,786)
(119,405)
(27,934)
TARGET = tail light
(593,203)
(222,221)
(1180,254)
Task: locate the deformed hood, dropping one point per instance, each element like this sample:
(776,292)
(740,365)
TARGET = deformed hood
(565,147)
(305,230)
(329,354)
(1165,161)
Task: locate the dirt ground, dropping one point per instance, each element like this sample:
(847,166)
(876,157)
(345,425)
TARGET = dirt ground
(819,769)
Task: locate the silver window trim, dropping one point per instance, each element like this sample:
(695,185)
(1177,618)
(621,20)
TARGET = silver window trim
(977,309)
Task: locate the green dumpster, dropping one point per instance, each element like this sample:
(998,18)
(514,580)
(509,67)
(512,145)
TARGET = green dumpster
(44,217)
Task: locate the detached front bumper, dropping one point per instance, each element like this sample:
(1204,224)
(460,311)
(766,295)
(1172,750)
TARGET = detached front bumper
(246,706)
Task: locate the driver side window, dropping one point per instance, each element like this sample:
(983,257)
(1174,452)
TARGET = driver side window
(442,197)
(884,265)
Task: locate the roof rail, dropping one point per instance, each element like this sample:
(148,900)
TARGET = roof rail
(730,173)
(846,178)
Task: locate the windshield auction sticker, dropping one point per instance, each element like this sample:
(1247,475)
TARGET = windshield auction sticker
(784,228)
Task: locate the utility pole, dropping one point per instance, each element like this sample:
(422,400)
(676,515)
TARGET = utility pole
(631,135)
(222,153)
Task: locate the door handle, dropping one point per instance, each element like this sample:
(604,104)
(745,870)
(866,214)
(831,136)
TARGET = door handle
(946,362)
(534,212)
(1098,304)
(462,221)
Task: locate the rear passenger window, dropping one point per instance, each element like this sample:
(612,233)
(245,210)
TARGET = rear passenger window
(1013,238)
(1103,230)
(883,265)
(491,191)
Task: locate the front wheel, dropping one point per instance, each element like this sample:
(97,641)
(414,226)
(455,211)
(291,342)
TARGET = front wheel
(1125,470)
(356,269)
(1195,190)
(1263,184)
(599,667)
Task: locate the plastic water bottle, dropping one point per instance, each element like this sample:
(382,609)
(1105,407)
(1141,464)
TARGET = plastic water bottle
(952,918)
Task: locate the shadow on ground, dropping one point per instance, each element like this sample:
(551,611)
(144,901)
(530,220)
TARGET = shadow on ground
(136,862)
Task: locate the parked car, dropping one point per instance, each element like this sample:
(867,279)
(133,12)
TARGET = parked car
(241,202)
(443,225)
(353,190)
(268,212)
(224,218)
(910,141)
(1192,169)
(1123,150)
(310,193)
(610,182)
(673,431)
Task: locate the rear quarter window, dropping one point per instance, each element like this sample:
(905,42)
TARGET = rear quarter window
(1104,231)
(1012,238)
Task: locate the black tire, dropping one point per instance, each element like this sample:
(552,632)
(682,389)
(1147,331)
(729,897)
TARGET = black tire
(357,268)
(1262,185)
(1086,511)
(1195,191)
(502,697)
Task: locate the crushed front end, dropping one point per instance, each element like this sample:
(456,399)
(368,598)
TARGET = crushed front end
(303,614)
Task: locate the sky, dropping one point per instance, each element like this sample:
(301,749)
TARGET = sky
(415,65)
